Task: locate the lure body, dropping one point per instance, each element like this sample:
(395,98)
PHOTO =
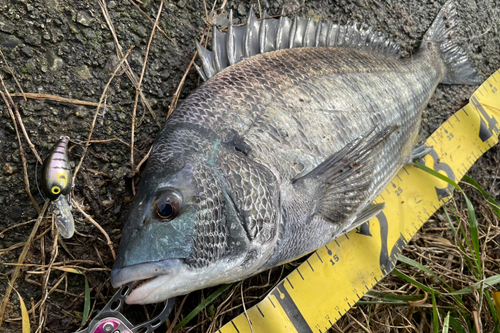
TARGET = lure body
(56,185)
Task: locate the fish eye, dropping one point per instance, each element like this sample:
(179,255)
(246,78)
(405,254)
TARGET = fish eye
(168,205)
(56,189)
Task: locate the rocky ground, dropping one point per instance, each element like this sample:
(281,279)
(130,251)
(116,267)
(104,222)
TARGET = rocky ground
(65,48)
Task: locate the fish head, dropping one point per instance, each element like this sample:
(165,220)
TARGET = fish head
(186,229)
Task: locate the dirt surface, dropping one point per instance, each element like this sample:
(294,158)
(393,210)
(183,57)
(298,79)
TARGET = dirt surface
(66,49)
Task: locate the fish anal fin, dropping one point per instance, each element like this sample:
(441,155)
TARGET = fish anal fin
(366,214)
(418,152)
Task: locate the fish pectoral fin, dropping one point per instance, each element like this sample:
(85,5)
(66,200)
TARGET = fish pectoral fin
(341,183)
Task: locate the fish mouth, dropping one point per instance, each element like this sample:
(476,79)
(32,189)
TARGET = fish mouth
(146,278)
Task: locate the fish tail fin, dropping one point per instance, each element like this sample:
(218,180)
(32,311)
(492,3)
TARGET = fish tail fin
(459,69)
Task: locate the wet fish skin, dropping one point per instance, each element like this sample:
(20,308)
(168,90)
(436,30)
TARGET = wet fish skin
(274,157)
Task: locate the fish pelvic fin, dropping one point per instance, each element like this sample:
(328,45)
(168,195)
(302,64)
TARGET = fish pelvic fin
(271,34)
(341,184)
(459,69)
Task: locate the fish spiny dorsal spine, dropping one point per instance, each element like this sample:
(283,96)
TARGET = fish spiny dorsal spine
(270,34)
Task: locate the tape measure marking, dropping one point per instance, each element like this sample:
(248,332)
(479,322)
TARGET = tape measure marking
(330,282)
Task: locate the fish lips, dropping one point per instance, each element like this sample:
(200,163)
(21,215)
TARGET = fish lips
(144,271)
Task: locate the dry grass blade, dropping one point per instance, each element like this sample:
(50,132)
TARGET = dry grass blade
(103,95)
(20,120)
(150,20)
(55,98)
(23,157)
(55,251)
(128,70)
(144,159)
(175,98)
(88,217)
(138,88)
(24,314)
(177,313)
(13,75)
(245,308)
(17,270)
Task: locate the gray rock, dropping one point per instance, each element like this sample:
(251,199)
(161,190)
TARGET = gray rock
(54,63)
(27,50)
(83,72)
(6,27)
(89,33)
(136,59)
(140,31)
(34,39)
(111,5)
(51,5)
(164,75)
(242,10)
(9,41)
(110,66)
(31,66)
(84,18)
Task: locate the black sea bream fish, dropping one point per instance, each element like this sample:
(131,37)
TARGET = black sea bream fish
(297,129)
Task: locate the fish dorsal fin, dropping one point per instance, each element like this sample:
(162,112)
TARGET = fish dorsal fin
(270,34)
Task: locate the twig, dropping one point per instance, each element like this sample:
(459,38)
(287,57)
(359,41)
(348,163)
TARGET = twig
(206,11)
(150,20)
(18,245)
(18,116)
(97,172)
(128,70)
(42,97)
(245,308)
(35,306)
(23,157)
(97,112)
(55,251)
(175,98)
(144,159)
(88,217)
(172,325)
(15,226)
(357,322)
(138,88)
(13,75)
(17,270)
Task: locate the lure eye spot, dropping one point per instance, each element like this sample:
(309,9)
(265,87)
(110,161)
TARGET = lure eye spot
(56,189)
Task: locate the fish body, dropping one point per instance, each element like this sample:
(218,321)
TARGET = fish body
(57,183)
(279,153)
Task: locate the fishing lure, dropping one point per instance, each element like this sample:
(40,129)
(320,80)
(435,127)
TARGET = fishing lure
(109,319)
(56,185)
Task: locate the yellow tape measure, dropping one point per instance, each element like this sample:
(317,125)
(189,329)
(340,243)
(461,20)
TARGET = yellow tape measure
(337,275)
